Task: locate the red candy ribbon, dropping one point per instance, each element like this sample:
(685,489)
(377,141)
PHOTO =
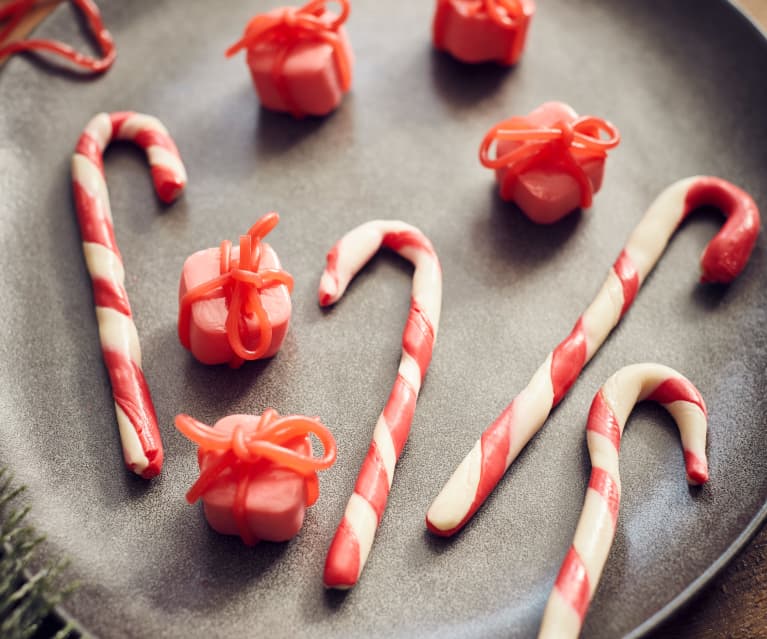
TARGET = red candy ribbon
(240,282)
(15,11)
(290,26)
(269,437)
(550,148)
(503,12)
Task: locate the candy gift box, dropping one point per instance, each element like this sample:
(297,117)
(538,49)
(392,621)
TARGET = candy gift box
(275,498)
(257,472)
(300,59)
(234,302)
(483,30)
(550,161)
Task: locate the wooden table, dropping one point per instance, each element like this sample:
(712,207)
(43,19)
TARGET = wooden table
(734,605)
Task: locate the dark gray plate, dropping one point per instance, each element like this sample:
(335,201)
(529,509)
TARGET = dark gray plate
(684,81)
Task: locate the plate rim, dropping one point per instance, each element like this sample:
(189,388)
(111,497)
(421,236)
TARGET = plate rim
(696,587)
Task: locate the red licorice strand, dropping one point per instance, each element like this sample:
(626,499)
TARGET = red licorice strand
(15,11)
(290,27)
(312,489)
(263,226)
(210,475)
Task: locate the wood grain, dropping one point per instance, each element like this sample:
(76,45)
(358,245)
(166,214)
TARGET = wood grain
(30,21)
(734,605)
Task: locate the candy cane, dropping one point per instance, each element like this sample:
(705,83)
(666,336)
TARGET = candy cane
(136,417)
(352,542)
(582,567)
(724,258)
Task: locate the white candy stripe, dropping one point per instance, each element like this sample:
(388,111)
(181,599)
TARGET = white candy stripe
(593,542)
(458,493)
(133,452)
(383,440)
(651,236)
(90,179)
(559,619)
(603,313)
(160,156)
(100,129)
(117,333)
(363,520)
(408,368)
(534,403)
(102,263)
(137,123)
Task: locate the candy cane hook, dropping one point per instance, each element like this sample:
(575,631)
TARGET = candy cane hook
(136,417)
(354,537)
(724,258)
(582,567)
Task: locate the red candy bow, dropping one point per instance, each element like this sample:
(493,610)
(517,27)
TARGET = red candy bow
(507,14)
(288,27)
(13,12)
(549,147)
(268,437)
(241,283)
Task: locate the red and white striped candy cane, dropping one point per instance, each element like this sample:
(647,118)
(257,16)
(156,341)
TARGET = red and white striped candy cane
(352,542)
(582,567)
(724,258)
(136,417)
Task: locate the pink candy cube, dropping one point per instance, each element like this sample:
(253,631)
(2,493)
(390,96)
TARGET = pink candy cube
(539,184)
(481,31)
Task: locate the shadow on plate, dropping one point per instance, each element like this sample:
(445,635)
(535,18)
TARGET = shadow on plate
(461,84)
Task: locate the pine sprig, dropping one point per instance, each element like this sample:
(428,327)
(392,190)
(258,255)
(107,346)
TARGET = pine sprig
(27,597)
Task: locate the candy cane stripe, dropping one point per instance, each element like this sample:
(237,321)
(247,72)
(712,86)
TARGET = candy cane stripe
(354,538)
(626,272)
(582,567)
(605,486)
(603,421)
(136,418)
(573,583)
(567,361)
(724,258)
